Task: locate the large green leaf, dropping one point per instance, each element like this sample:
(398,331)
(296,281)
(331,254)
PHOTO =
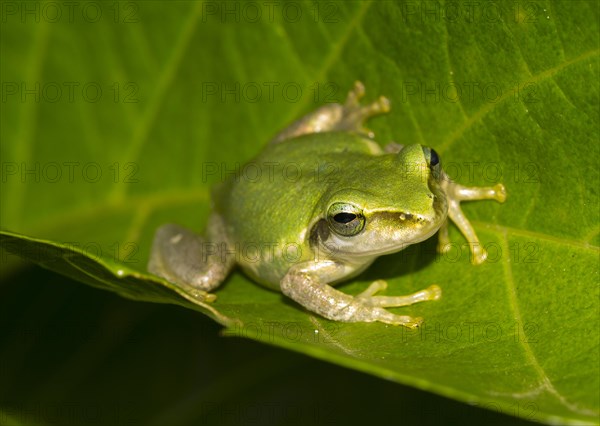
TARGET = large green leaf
(112,121)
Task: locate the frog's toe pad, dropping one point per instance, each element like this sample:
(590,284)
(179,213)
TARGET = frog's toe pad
(500,192)
(201,295)
(356,94)
(388,318)
(435,292)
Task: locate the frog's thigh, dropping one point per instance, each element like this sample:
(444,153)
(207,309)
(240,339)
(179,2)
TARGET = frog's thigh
(310,290)
(187,259)
(322,120)
(393,148)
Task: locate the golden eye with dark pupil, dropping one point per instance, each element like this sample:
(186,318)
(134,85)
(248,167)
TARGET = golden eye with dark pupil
(344,217)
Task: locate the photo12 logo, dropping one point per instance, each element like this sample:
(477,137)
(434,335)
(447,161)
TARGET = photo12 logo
(69,91)
(270,11)
(267,91)
(69,172)
(119,252)
(269,171)
(433,92)
(470,11)
(52,12)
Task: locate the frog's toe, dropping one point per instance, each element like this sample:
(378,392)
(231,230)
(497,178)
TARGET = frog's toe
(375,287)
(367,297)
(478,254)
(355,95)
(198,295)
(444,247)
(381,315)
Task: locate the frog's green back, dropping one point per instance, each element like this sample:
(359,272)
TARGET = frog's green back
(276,194)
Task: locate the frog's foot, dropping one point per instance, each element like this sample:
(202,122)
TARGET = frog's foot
(457,193)
(368,298)
(337,117)
(308,290)
(187,260)
(354,114)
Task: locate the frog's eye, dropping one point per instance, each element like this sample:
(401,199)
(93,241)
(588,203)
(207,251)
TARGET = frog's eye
(433,160)
(345,219)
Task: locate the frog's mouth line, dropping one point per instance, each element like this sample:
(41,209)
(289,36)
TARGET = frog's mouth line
(440,203)
(395,232)
(440,206)
(408,224)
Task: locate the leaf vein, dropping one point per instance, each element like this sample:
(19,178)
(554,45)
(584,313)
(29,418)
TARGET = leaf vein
(489,107)
(545,382)
(144,125)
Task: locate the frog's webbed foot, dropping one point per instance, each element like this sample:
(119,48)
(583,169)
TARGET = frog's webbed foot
(354,115)
(456,193)
(337,117)
(319,297)
(188,260)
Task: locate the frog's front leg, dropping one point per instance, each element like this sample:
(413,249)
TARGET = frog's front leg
(455,193)
(337,117)
(186,259)
(306,283)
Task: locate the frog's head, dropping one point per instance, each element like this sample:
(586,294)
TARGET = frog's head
(386,205)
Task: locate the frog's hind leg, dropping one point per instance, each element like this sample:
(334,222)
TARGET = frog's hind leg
(349,117)
(186,259)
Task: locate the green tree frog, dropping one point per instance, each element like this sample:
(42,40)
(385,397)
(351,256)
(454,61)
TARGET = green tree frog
(323,201)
